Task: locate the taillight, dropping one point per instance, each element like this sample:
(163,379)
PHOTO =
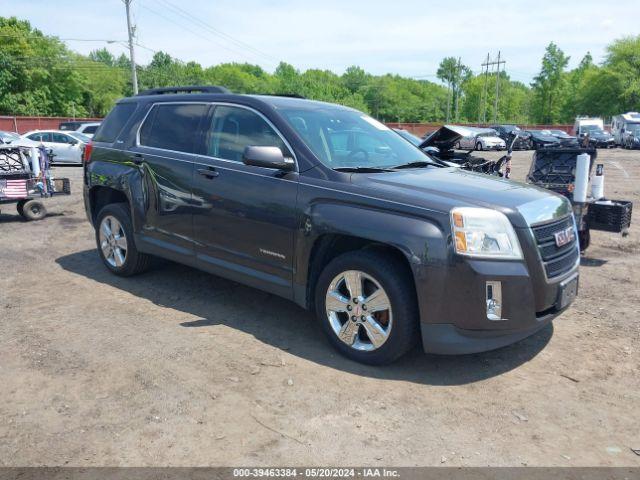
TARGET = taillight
(88,148)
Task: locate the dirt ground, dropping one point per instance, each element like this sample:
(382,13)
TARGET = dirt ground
(177,367)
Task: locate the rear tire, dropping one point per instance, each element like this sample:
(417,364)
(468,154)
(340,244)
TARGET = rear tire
(379,324)
(33,210)
(115,242)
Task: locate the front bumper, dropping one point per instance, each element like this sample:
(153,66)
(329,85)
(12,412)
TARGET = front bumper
(453,300)
(604,143)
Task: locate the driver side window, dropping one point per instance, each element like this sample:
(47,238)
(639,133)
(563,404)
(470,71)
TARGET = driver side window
(234,128)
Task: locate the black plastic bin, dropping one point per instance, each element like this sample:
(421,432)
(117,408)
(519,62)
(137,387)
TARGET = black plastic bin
(555,168)
(613,217)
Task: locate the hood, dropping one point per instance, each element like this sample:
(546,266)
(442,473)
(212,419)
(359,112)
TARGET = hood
(545,138)
(492,139)
(444,188)
(23,142)
(445,137)
(601,136)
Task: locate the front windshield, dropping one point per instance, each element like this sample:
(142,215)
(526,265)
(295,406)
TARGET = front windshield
(491,133)
(591,129)
(347,138)
(634,129)
(8,137)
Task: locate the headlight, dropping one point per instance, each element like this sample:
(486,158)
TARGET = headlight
(485,233)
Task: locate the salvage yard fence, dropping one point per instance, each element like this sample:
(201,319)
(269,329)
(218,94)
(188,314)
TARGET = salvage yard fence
(25,124)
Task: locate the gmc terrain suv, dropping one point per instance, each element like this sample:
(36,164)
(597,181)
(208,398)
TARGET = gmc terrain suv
(324,205)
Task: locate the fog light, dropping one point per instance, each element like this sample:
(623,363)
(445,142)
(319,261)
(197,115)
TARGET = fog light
(494,301)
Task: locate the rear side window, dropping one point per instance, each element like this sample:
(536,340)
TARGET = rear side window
(91,129)
(111,127)
(173,126)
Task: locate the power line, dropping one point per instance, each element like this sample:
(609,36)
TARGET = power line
(215,31)
(198,34)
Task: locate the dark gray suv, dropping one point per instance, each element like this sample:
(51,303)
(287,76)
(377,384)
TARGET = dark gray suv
(324,205)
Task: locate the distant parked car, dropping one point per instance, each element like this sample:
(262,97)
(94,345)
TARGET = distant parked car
(508,132)
(66,146)
(86,128)
(482,139)
(564,137)
(598,138)
(543,138)
(8,137)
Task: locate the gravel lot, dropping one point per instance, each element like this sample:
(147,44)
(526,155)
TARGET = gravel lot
(177,367)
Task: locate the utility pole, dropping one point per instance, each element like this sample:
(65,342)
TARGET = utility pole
(488,64)
(458,75)
(495,104)
(132,56)
(482,110)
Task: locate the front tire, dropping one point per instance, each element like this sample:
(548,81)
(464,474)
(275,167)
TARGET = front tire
(116,246)
(479,146)
(367,306)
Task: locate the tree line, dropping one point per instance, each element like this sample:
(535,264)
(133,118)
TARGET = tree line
(39,75)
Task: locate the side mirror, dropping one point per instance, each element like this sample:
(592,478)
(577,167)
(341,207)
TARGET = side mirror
(73,142)
(266,157)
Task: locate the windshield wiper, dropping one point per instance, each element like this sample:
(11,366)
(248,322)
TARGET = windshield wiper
(362,169)
(418,164)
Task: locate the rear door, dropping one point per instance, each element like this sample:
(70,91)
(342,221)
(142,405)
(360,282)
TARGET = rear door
(244,216)
(165,154)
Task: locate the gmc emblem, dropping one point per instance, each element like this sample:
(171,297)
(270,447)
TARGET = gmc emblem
(564,236)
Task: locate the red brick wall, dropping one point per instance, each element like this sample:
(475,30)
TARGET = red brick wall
(25,124)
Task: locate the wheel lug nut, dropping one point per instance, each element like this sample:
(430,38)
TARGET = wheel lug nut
(362,317)
(349,307)
(353,318)
(364,307)
(355,300)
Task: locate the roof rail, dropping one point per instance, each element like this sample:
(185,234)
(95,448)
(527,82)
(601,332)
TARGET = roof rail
(187,89)
(290,95)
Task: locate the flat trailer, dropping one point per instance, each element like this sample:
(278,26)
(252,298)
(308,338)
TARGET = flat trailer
(25,180)
(563,171)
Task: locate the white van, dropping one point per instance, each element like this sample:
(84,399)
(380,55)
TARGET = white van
(584,124)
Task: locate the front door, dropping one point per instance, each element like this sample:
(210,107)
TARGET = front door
(66,148)
(244,216)
(165,155)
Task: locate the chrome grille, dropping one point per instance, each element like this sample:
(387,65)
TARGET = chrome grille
(556,260)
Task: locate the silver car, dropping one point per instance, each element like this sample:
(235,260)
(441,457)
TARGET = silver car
(66,146)
(482,139)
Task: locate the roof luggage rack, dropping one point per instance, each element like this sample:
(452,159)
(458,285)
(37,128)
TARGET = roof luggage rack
(187,89)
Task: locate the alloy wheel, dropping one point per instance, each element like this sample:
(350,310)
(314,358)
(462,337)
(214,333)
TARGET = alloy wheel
(113,241)
(359,310)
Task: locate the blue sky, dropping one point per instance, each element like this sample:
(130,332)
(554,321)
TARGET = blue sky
(405,37)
